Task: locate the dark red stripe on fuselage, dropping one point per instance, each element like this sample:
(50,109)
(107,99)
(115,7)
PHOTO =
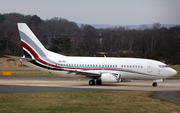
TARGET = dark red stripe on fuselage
(36,55)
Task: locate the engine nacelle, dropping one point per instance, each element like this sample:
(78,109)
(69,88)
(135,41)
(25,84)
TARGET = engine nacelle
(110,77)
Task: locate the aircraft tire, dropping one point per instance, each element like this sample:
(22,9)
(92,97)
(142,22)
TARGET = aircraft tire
(98,82)
(91,82)
(154,84)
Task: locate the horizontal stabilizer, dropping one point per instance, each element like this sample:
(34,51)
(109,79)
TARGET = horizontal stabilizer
(27,59)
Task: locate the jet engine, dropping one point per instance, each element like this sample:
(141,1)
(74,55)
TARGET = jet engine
(110,77)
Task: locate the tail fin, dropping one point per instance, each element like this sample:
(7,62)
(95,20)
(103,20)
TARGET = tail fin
(32,47)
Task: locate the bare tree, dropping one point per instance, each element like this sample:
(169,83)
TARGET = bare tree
(123,42)
(75,39)
(156,26)
(144,27)
(152,44)
(130,42)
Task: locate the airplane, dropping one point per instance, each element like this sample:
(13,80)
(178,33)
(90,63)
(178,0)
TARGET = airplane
(99,69)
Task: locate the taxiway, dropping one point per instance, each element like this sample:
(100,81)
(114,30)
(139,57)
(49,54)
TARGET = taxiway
(165,91)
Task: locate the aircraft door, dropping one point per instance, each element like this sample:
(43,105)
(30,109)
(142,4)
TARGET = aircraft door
(149,68)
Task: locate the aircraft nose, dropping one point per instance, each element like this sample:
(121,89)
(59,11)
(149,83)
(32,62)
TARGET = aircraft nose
(173,72)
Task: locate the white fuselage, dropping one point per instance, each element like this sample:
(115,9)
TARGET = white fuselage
(128,68)
(101,69)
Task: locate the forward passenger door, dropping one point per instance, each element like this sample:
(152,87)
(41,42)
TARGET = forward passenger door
(149,67)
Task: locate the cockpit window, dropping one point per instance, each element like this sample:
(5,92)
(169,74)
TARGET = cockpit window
(163,66)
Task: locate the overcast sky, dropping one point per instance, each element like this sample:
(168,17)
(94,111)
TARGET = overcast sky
(113,12)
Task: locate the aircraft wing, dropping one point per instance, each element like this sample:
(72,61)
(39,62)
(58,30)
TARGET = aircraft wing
(27,59)
(83,72)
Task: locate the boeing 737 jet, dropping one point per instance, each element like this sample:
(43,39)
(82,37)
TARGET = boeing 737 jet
(99,69)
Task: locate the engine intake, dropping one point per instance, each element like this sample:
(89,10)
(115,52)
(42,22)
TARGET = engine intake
(110,77)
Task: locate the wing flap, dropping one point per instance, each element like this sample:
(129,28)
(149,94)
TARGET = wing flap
(82,72)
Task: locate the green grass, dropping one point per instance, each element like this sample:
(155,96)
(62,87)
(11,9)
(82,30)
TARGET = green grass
(176,67)
(83,102)
(18,69)
(176,76)
(178,95)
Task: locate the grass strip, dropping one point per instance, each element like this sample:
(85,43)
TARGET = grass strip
(176,67)
(81,102)
(178,95)
(176,76)
(18,69)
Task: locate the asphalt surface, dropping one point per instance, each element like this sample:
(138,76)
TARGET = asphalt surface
(168,96)
(165,91)
(36,89)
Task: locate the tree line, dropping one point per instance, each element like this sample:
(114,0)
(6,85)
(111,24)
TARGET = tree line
(158,42)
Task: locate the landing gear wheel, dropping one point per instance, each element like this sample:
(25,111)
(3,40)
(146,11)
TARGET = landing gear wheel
(91,82)
(154,84)
(98,82)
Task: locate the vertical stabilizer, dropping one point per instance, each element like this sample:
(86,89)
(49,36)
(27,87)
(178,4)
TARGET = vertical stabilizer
(32,47)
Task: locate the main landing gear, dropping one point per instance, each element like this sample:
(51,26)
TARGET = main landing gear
(154,84)
(92,82)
